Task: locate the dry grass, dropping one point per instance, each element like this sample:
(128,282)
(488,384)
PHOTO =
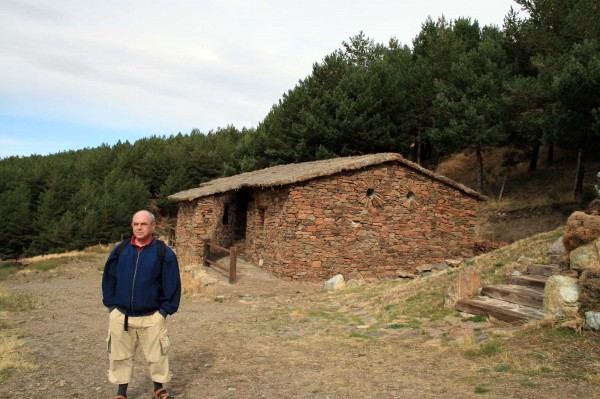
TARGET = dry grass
(12,347)
(94,250)
(12,351)
(531,202)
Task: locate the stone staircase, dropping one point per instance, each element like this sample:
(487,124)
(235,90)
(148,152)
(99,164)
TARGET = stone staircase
(521,300)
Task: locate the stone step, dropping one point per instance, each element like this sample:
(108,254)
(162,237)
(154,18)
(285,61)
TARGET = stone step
(543,270)
(529,280)
(501,310)
(519,294)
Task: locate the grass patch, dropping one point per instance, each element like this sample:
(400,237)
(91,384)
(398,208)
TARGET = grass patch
(488,349)
(481,390)
(46,265)
(477,318)
(529,384)
(17,302)
(502,367)
(335,317)
(359,335)
(8,269)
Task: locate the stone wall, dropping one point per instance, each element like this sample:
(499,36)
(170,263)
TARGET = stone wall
(195,223)
(375,221)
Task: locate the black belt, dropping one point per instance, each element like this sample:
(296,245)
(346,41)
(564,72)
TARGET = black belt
(126,324)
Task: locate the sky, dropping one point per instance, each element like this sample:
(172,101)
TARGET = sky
(80,73)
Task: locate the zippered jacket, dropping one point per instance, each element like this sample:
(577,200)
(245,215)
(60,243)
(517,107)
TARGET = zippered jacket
(135,283)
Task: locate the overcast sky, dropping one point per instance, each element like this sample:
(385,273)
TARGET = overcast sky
(79,73)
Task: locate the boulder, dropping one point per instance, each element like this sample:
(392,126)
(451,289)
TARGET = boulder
(335,283)
(427,267)
(557,248)
(581,229)
(465,286)
(404,274)
(560,297)
(592,320)
(585,257)
(557,253)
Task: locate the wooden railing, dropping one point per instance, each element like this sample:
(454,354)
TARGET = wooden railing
(232,259)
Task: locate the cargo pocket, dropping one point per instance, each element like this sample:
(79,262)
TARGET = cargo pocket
(165,343)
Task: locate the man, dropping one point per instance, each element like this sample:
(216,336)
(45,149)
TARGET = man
(140,288)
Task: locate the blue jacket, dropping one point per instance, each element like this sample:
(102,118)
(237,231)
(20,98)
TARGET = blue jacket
(137,285)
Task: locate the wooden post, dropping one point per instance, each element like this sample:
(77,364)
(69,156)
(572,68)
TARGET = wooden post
(232,264)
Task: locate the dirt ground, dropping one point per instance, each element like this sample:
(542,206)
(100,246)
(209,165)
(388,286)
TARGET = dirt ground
(259,338)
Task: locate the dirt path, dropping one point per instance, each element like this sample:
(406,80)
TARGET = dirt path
(262,338)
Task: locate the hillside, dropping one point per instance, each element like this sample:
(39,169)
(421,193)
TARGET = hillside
(531,202)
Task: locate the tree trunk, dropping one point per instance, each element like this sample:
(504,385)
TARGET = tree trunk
(578,187)
(550,155)
(479,171)
(502,188)
(533,159)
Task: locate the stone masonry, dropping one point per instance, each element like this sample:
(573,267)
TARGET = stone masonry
(373,221)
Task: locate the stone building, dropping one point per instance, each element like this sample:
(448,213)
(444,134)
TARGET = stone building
(378,215)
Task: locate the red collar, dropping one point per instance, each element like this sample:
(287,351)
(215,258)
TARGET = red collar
(140,247)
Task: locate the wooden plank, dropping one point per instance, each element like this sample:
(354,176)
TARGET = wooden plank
(501,310)
(528,280)
(217,264)
(543,270)
(522,295)
(218,247)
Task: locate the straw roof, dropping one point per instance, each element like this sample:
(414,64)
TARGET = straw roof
(283,175)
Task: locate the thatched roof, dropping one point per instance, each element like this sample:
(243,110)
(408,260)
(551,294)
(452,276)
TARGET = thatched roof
(284,175)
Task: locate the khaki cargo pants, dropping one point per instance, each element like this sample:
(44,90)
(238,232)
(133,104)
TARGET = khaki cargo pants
(151,333)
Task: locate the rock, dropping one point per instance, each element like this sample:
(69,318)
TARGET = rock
(453,262)
(462,334)
(483,337)
(337,282)
(404,274)
(424,268)
(581,229)
(560,297)
(557,248)
(586,257)
(465,286)
(428,267)
(592,320)
(355,283)
(440,266)
(573,324)
(522,264)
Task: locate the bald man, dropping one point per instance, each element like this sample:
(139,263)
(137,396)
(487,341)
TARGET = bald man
(140,288)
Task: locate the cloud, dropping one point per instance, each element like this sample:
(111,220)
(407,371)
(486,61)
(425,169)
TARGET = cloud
(165,67)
